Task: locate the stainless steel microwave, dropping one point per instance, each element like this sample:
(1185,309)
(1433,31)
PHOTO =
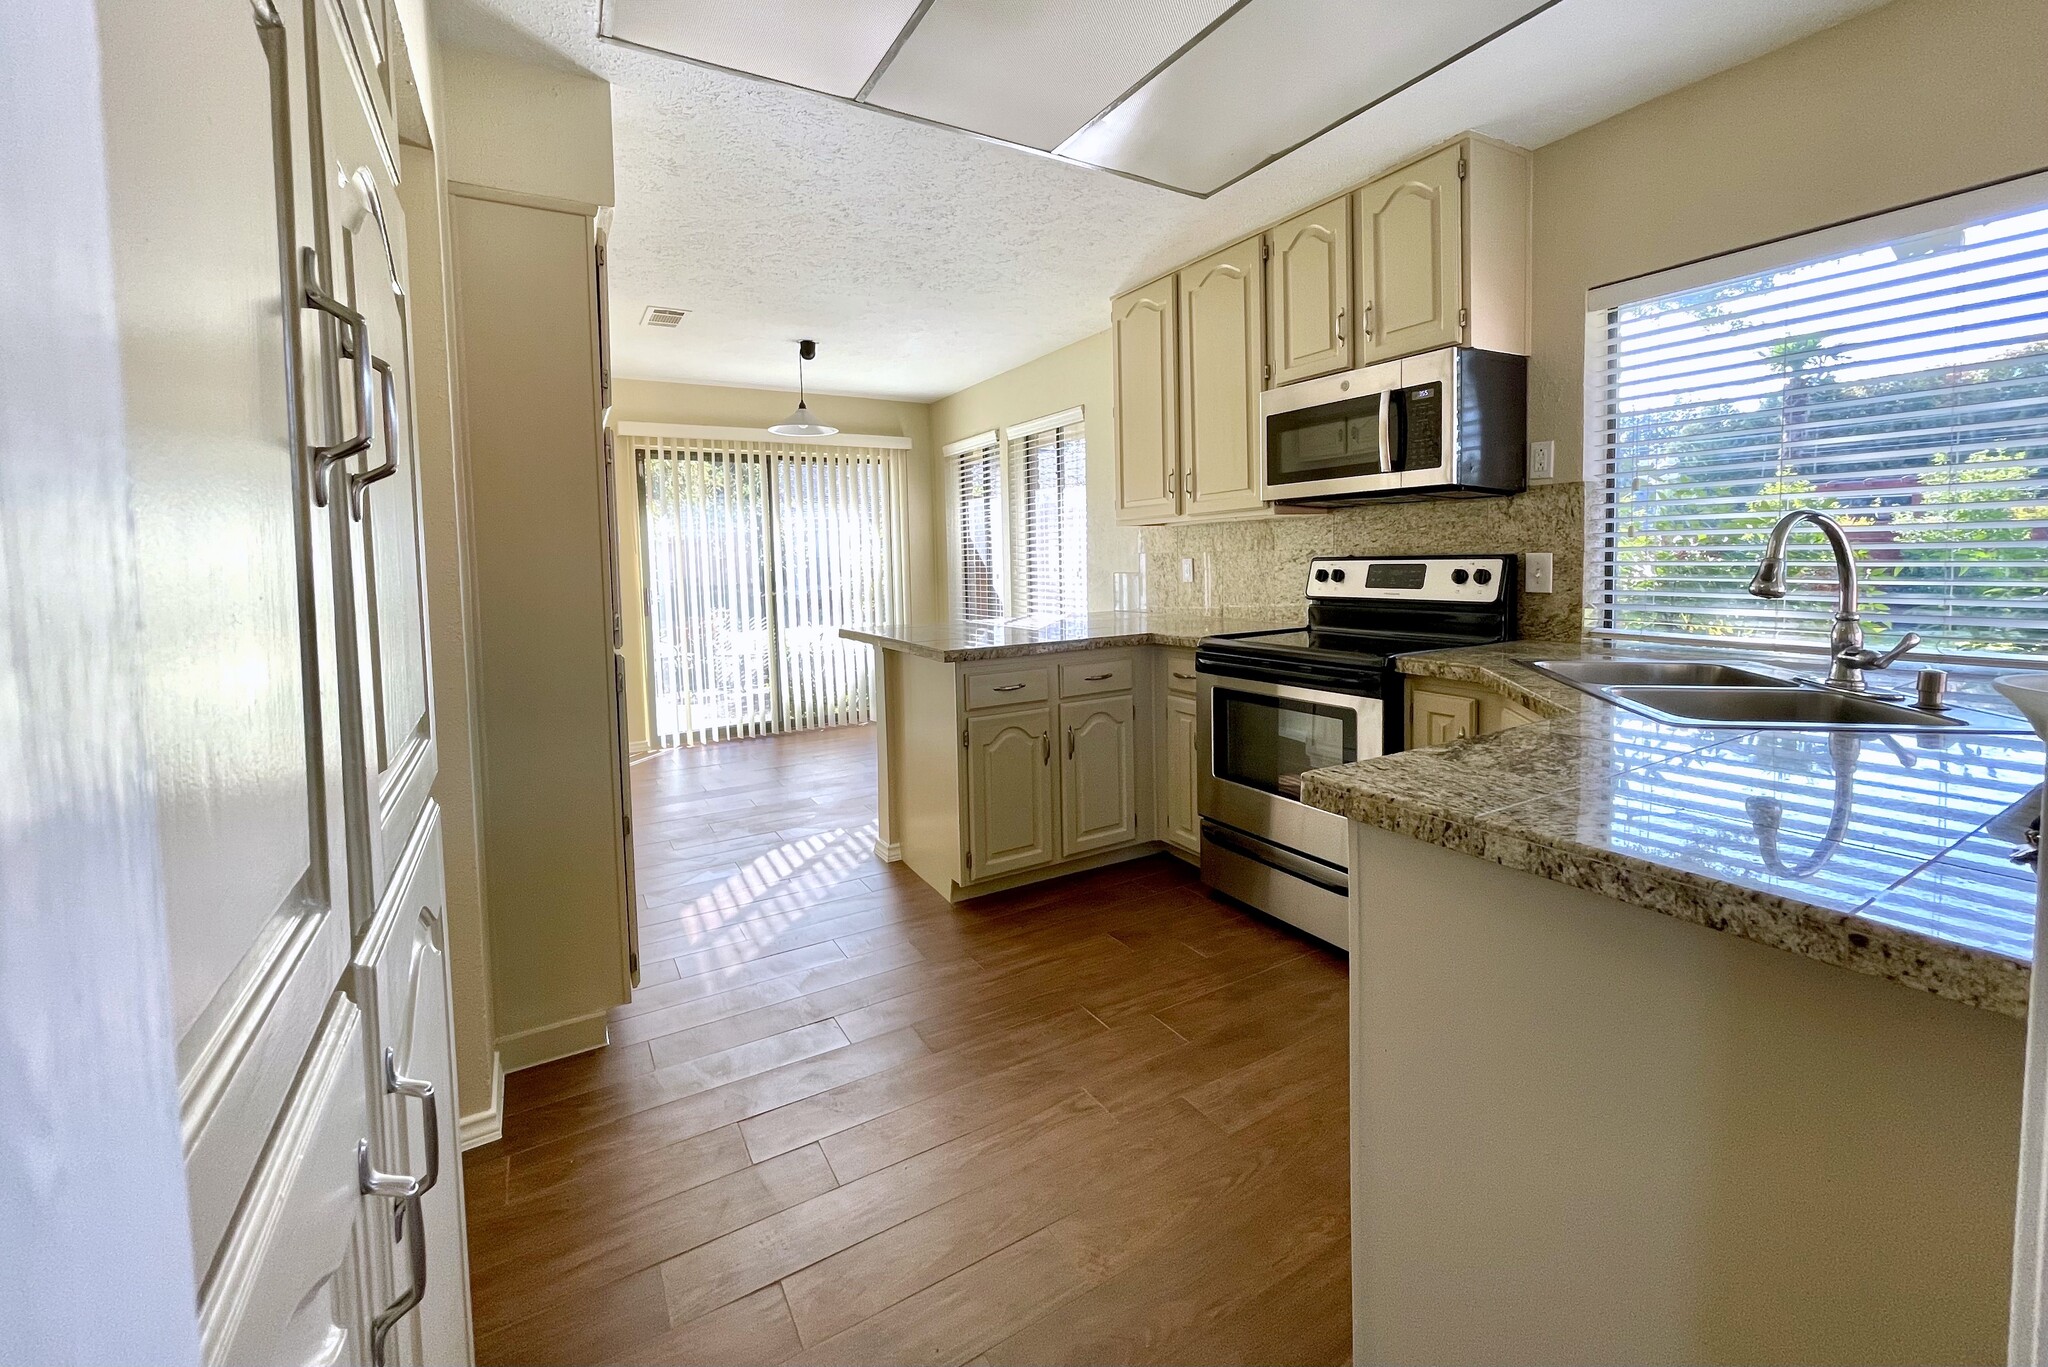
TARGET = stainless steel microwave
(1444,424)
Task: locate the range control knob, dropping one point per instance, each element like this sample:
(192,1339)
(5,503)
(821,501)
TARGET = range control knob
(1322,576)
(1459,576)
(1482,576)
(1336,576)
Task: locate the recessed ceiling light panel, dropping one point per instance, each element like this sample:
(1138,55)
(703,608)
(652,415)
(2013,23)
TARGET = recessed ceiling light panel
(1274,75)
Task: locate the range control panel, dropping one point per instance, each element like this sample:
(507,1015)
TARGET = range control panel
(1421,578)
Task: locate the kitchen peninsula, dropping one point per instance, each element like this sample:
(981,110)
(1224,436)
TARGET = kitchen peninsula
(1674,1044)
(1010,751)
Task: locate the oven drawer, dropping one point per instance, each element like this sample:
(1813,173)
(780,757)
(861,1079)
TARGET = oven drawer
(1008,687)
(1079,678)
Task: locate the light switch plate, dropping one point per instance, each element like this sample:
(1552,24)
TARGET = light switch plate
(1187,569)
(1536,572)
(1542,460)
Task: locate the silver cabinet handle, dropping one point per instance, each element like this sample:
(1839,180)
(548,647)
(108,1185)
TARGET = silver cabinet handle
(1365,320)
(416,1251)
(1070,742)
(358,483)
(375,1183)
(1095,678)
(1340,327)
(1178,675)
(355,346)
(1046,741)
(421,1091)
(1006,688)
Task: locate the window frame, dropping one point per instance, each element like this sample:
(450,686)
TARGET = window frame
(1008,443)
(2015,195)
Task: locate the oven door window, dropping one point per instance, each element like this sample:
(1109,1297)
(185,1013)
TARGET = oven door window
(1268,743)
(1329,441)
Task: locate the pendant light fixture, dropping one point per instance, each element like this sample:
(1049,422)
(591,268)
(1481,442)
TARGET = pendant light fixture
(801,423)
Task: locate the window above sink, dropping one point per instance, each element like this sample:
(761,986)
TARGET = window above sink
(1892,373)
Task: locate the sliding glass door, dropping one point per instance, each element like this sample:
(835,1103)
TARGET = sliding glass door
(756,553)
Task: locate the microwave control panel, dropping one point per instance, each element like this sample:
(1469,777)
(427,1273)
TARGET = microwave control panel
(1422,428)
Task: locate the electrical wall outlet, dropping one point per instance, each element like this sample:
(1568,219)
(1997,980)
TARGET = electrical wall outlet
(1536,571)
(1187,569)
(1542,460)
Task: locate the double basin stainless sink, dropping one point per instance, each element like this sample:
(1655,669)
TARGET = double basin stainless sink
(1715,693)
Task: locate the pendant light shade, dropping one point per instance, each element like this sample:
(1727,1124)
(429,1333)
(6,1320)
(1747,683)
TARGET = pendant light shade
(801,423)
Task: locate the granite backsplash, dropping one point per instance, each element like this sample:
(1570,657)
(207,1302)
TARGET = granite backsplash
(1263,564)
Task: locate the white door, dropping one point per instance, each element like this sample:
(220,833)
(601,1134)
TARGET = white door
(1411,259)
(1308,293)
(373,498)
(1179,821)
(1222,370)
(1098,774)
(1009,792)
(210,195)
(1142,346)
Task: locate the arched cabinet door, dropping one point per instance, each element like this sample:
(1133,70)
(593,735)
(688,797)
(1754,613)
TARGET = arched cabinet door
(1308,293)
(1009,792)
(1222,370)
(1411,259)
(1143,342)
(372,496)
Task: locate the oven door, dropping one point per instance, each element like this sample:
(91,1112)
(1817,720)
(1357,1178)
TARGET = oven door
(1331,437)
(1255,739)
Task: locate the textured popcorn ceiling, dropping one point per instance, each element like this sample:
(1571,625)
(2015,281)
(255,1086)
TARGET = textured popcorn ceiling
(923,259)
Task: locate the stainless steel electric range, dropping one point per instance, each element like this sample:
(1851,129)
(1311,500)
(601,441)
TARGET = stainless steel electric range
(1271,705)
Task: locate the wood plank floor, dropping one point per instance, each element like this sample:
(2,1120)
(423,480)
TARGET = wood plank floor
(1100,1120)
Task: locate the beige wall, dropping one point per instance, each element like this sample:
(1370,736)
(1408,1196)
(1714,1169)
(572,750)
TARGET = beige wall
(1076,376)
(1918,99)
(532,129)
(717,406)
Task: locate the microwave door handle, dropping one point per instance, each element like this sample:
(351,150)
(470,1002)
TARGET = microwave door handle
(1386,415)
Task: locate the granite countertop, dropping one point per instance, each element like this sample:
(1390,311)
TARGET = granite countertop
(1884,854)
(955,642)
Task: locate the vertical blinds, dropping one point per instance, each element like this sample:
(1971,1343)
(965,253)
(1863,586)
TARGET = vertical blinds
(977,492)
(1903,389)
(756,553)
(1049,520)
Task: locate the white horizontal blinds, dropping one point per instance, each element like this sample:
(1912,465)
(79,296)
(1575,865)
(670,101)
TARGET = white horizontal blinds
(1049,520)
(1902,389)
(710,636)
(757,553)
(835,565)
(976,499)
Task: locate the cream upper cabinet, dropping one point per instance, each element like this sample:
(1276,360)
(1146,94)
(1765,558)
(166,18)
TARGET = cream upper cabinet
(1443,253)
(1009,792)
(1308,293)
(1098,775)
(1222,369)
(1179,821)
(1411,244)
(1143,336)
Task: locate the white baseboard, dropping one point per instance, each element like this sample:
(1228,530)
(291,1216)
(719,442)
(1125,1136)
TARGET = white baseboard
(488,1125)
(546,1043)
(890,852)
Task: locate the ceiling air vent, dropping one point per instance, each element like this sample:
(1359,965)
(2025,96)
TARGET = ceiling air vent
(659,317)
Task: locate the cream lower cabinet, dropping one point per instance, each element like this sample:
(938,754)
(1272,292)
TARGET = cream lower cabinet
(1099,774)
(1009,792)
(1180,821)
(1047,768)
(1443,712)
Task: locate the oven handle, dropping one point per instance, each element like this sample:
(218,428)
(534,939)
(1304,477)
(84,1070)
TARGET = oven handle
(1304,684)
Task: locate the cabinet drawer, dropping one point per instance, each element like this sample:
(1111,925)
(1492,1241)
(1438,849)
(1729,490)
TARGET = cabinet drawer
(1008,687)
(1080,677)
(1180,671)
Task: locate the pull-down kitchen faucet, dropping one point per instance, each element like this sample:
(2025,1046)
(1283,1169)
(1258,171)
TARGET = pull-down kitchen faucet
(1847,656)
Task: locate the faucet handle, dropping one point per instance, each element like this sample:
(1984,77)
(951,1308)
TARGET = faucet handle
(1871,659)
